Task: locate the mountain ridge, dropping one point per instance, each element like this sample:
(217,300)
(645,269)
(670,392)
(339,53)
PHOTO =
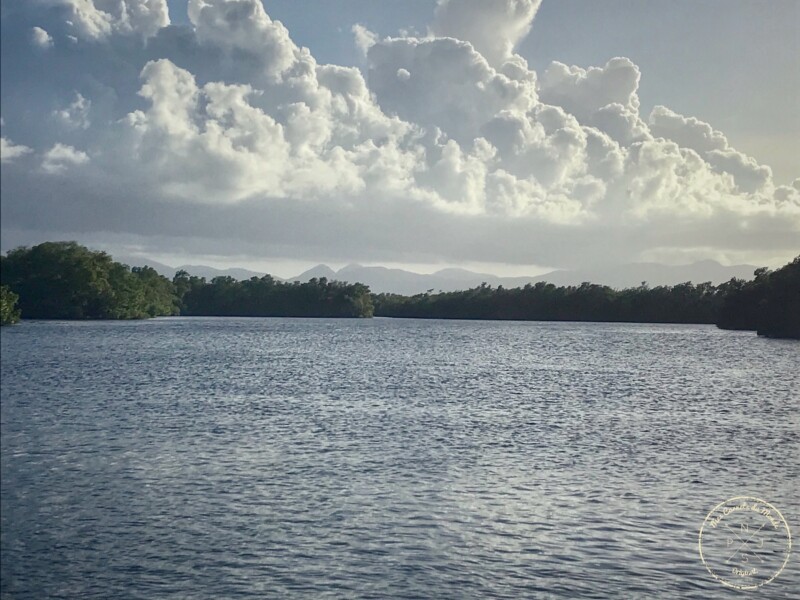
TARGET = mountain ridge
(197,270)
(386,280)
(382,279)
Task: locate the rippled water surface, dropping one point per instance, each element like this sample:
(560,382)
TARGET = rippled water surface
(290,458)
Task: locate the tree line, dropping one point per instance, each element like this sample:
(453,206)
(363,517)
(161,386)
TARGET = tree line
(64,280)
(683,303)
(267,297)
(769,304)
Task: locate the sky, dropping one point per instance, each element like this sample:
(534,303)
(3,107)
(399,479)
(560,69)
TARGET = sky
(510,136)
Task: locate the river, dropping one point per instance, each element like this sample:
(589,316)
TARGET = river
(380,458)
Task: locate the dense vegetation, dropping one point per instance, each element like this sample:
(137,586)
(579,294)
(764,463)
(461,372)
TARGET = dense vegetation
(266,297)
(63,280)
(769,304)
(684,303)
(9,313)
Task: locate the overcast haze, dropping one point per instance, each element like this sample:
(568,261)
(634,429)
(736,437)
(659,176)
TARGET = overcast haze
(502,134)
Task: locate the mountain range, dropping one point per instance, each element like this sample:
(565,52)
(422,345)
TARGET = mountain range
(198,270)
(399,281)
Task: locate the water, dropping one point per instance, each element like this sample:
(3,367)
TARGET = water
(290,458)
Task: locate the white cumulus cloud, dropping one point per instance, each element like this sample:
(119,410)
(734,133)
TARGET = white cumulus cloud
(441,125)
(443,83)
(97,19)
(41,38)
(690,132)
(10,151)
(61,157)
(747,173)
(605,97)
(446,146)
(243,27)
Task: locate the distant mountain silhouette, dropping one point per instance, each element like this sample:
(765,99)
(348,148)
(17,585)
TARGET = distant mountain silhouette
(399,281)
(198,270)
(210,272)
(319,271)
(633,274)
(139,261)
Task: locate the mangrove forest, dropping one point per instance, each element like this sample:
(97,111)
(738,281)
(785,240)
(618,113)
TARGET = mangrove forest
(64,280)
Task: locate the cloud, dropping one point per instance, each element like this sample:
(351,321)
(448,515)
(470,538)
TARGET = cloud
(98,19)
(443,83)
(364,38)
(244,31)
(690,132)
(41,38)
(10,151)
(224,135)
(583,91)
(604,97)
(789,195)
(76,114)
(493,27)
(747,173)
(61,157)
(220,143)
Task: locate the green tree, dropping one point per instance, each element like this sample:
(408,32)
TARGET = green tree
(64,280)
(266,297)
(158,293)
(9,313)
